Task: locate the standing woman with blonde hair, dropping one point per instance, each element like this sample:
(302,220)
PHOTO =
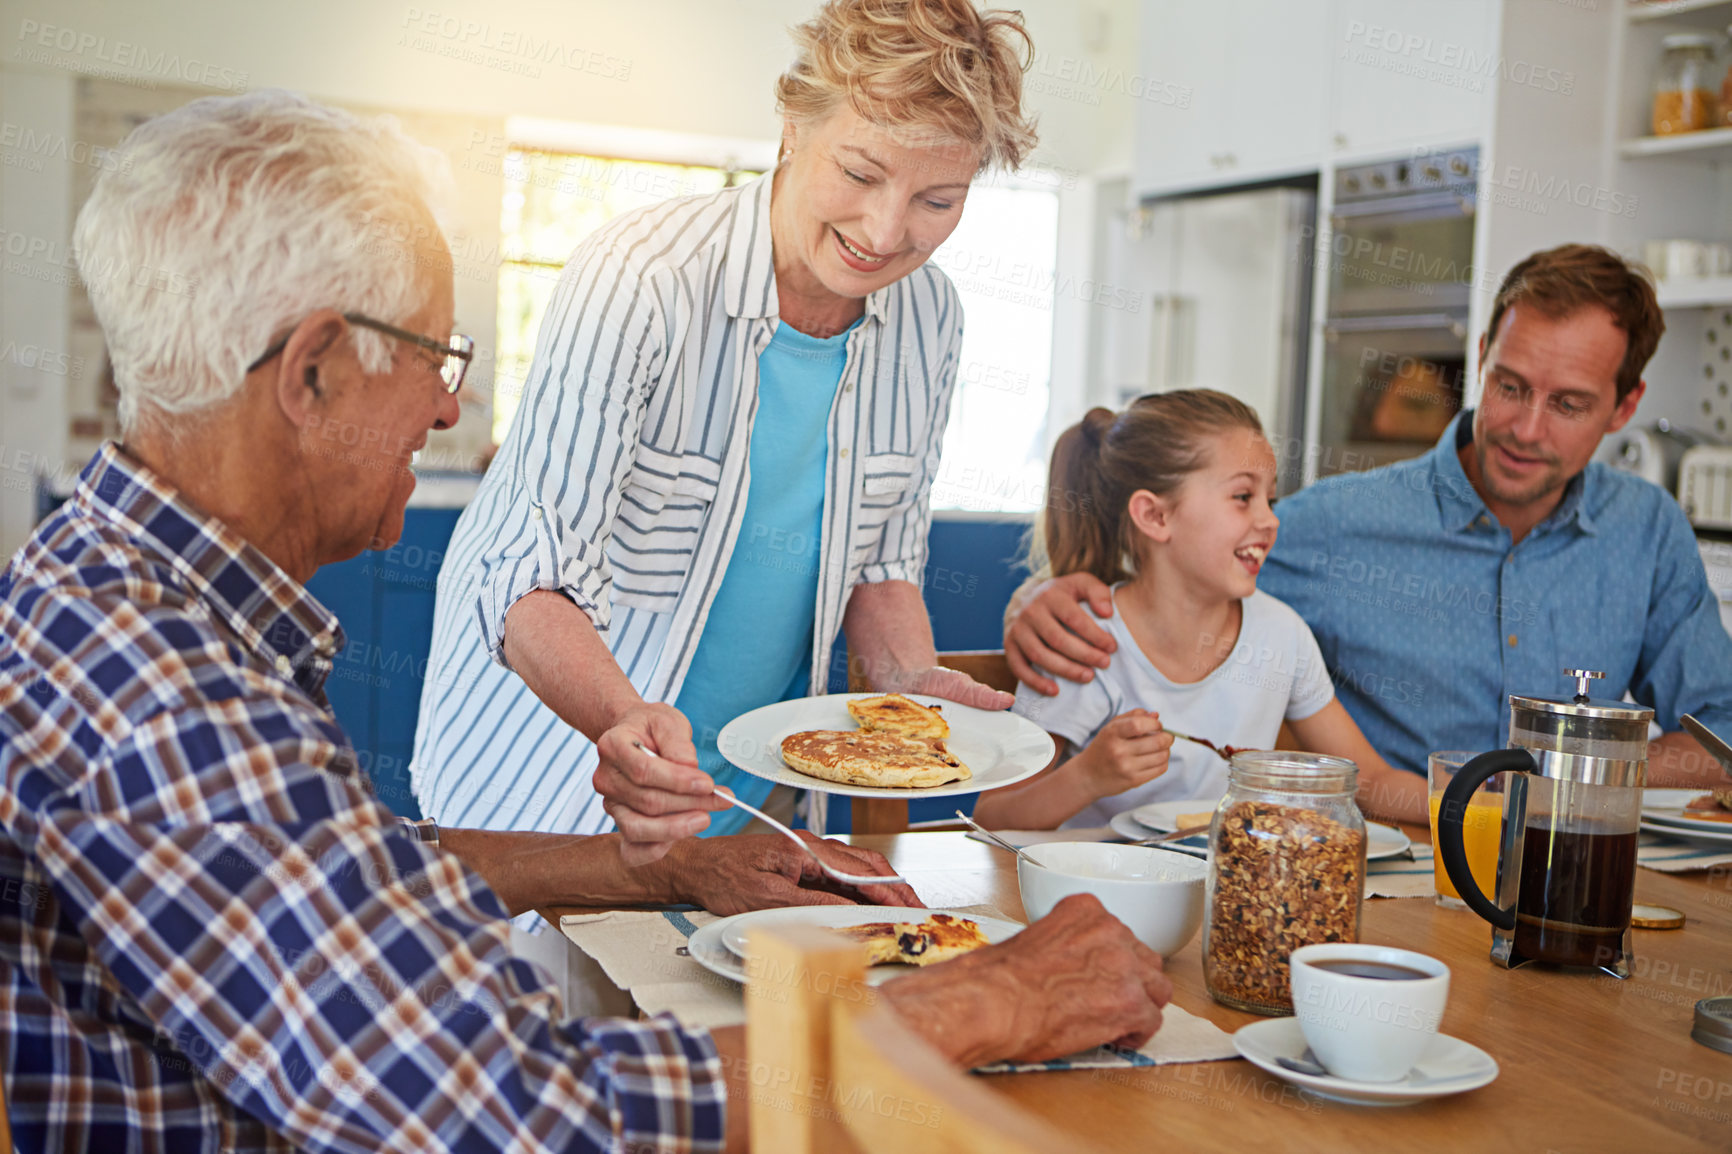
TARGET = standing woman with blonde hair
(725,452)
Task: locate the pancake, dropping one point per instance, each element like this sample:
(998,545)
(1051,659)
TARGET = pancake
(894,713)
(938,939)
(883,760)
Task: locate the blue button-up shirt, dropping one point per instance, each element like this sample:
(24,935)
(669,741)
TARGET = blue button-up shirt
(1429,617)
(211,936)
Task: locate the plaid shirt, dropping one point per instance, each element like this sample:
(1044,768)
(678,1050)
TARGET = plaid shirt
(211,936)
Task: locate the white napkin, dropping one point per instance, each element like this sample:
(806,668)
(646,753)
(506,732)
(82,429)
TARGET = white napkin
(637,951)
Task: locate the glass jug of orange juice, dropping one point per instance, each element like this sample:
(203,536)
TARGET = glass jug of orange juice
(1482,826)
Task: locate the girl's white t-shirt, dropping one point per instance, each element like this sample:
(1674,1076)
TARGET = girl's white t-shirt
(1275,672)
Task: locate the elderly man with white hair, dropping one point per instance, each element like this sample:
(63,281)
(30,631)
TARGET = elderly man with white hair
(216,937)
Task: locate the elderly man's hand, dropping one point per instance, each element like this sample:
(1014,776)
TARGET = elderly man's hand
(731,875)
(1073,980)
(656,795)
(1053,632)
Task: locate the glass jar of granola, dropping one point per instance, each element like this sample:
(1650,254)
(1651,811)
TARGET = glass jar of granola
(1286,869)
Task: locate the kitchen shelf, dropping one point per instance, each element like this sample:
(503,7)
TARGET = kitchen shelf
(1694,292)
(1640,13)
(1710,143)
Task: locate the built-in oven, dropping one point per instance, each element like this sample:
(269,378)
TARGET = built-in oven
(1400,275)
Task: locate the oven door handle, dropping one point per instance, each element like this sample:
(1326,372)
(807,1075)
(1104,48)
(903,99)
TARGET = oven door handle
(1439,322)
(1405,208)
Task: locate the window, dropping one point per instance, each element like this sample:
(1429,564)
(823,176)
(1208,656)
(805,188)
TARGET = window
(1003,260)
(553,200)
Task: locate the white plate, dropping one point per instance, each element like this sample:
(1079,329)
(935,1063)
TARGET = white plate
(1663,810)
(1163,816)
(1000,748)
(1131,829)
(1720,834)
(1381,841)
(1457,1066)
(836,917)
(709,945)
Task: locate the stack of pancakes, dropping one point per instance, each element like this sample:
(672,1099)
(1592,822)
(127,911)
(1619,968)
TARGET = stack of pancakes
(899,745)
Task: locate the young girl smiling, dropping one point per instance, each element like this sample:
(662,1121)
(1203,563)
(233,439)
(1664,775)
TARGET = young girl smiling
(1171,503)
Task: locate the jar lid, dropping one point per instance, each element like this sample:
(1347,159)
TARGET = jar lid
(1656,917)
(1689,40)
(1293,772)
(1713,1027)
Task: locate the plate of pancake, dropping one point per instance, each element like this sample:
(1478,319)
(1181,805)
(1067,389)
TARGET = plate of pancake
(885,745)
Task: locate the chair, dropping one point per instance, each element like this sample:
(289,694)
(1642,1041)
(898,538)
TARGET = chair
(832,1070)
(890,815)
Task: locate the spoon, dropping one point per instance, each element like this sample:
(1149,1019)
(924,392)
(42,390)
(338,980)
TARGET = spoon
(996,840)
(1224,752)
(829,870)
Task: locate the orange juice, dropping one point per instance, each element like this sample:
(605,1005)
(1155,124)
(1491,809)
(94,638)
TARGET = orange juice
(1481,830)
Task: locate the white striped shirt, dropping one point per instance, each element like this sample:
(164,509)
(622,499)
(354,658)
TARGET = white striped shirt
(623,484)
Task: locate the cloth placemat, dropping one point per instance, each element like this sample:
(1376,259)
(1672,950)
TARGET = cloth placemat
(1672,856)
(1408,876)
(638,952)
(1399,877)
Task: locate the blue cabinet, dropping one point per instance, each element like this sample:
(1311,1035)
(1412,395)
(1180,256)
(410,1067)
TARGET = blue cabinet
(385,602)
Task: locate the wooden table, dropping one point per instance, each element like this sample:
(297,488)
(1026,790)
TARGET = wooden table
(1588,1062)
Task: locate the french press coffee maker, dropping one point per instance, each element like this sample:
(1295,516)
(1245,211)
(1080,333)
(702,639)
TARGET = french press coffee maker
(1567,861)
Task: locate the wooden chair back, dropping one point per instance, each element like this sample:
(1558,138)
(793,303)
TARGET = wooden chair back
(890,815)
(832,1069)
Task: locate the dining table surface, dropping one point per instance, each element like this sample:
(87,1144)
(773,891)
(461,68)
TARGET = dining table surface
(1587,1062)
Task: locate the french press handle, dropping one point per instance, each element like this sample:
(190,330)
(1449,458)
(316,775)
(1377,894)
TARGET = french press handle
(1450,815)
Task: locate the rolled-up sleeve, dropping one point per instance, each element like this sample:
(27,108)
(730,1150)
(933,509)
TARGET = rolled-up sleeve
(1686,661)
(901,551)
(572,445)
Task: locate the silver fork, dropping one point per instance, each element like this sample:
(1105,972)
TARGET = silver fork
(829,870)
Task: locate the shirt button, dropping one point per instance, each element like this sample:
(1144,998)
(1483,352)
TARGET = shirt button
(843,454)
(1512,640)
(849,387)
(283,665)
(536,513)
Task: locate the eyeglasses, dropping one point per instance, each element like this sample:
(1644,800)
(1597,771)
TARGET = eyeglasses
(455,352)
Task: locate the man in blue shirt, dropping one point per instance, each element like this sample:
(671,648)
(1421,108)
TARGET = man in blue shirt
(1439,586)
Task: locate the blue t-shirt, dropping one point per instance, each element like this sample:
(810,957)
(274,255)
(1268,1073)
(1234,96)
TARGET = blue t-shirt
(1429,618)
(756,645)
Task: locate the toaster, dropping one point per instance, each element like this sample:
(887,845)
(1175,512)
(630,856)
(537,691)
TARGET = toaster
(1705,486)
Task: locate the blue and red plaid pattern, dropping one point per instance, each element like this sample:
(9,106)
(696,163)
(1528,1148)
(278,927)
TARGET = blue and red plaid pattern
(211,936)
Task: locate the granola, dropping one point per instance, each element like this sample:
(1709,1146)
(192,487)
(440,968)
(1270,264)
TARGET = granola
(1283,877)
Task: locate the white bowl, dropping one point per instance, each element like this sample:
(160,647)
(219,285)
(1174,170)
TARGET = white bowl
(1156,893)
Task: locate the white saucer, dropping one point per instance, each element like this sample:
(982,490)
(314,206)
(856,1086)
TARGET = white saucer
(1448,1066)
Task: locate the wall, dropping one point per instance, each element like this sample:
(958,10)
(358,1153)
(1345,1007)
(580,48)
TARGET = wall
(681,66)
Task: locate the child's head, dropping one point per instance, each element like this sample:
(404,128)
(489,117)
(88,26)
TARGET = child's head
(1182,467)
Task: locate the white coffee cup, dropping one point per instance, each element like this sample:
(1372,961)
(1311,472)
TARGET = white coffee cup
(1367,1029)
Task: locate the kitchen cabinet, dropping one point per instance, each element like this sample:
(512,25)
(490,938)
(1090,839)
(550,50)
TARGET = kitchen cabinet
(1231,91)
(1406,73)
(1237,91)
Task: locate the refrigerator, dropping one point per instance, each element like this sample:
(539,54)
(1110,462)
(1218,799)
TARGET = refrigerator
(1224,283)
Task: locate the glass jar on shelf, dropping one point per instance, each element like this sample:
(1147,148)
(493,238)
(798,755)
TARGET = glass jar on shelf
(1686,89)
(1286,869)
